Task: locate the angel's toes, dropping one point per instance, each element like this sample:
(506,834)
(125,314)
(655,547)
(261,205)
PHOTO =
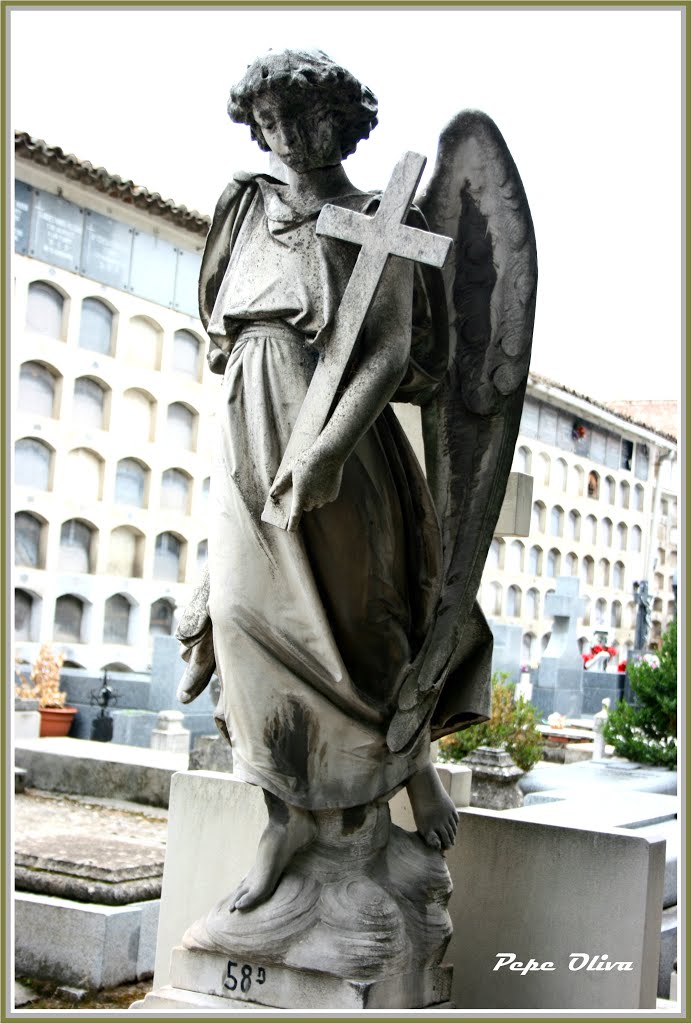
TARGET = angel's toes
(432,839)
(245,902)
(237,896)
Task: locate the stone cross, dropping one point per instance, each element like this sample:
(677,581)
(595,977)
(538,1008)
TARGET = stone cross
(566,606)
(559,686)
(379,236)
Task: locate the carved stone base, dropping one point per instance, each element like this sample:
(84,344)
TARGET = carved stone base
(240,983)
(365,901)
(170,997)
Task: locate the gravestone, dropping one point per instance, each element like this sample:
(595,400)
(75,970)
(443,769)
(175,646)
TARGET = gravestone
(87,889)
(559,684)
(506,648)
(170,733)
(596,686)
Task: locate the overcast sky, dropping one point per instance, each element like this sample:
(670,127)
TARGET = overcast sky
(589,102)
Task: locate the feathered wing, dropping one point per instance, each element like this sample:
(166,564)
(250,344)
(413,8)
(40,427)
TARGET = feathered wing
(471,425)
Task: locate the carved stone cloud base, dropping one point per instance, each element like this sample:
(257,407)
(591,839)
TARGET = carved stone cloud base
(363,910)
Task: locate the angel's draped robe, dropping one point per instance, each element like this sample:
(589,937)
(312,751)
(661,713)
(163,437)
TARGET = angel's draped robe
(313,630)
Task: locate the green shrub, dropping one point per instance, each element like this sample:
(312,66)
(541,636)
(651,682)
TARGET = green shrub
(646,730)
(512,725)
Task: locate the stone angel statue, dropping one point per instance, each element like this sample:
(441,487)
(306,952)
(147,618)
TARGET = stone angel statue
(348,641)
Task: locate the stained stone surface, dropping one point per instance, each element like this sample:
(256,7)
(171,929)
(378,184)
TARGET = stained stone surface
(90,918)
(100,852)
(494,779)
(219,975)
(211,754)
(89,868)
(365,900)
(348,637)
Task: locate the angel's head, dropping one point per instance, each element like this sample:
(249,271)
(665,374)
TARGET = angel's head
(303,107)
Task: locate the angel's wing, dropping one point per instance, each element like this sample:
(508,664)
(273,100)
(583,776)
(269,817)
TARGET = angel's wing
(470,427)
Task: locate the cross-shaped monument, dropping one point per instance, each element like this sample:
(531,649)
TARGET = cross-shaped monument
(379,236)
(560,672)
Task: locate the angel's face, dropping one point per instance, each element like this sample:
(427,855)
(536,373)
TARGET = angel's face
(303,138)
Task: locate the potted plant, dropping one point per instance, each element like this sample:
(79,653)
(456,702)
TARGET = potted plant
(56,717)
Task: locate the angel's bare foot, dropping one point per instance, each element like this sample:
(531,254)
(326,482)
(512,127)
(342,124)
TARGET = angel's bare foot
(433,810)
(288,830)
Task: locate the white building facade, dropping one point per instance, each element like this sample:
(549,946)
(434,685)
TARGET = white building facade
(605,498)
(111,399)
(110,411)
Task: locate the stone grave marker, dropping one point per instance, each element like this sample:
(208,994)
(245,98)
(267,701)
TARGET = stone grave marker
(559,685)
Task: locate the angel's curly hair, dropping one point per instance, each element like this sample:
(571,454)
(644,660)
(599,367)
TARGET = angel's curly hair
(306,77)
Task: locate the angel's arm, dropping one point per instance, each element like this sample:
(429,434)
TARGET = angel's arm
(382,361)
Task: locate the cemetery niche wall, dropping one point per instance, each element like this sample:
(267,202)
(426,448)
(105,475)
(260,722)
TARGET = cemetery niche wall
(339,609)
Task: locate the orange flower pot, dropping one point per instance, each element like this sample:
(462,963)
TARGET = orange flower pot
(56,721)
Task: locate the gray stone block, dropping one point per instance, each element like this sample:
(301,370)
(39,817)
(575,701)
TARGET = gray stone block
(669,946)
(107,770)
(565,699)
(211,754)
(169,997)
(167,669)
(506,648)
(77,944)
(670,831)
(603,806)
(148,927)
(545,892)
(456,779)
(598,685)
(133,727)
(27,720)
(90,868)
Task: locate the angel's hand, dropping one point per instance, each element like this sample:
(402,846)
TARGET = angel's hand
(315,479)
(217,359)
(201,665)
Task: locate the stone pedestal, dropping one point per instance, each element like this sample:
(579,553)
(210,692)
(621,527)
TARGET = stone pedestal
(494,779)
(361,913)
(215,823)
(170,733)
(363,905)
(241,983)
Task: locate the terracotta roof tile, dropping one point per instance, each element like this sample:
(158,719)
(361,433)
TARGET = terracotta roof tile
(108,184)
(535,378)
